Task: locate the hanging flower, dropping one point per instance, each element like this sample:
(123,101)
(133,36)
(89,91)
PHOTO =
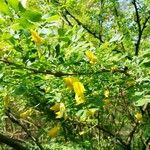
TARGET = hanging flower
(107,103)
(78,88)
(91,57)
(69,81)
(91,111)
(62,112)
(26,114)
(79,99)
(59,109)
(54,131)
(36,38)
(106,93)
(138,117)
(55,107)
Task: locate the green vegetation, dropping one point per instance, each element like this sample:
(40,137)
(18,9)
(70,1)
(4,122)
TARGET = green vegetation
(75,74)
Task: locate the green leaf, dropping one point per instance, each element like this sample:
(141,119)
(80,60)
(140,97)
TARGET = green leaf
(33,16)
(21,89)
(143,101)
(4,8)
(21,8)
(14,4)
(146,64)
(53,18)
(2,21)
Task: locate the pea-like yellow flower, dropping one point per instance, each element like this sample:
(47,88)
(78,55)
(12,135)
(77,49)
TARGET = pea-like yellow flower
(59,109)
(69,81)
(106,93)
(54,131)
(107,103)
(62,112)
(78,88)
(7,100)
(36,38)
(138,117)
(26,114)
(79,99)
(55,107)
(91,57)
(91,112)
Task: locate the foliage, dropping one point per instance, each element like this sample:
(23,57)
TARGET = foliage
(75,74)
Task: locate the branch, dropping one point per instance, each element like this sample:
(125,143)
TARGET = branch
(11,142)
(18,122)
(140,28)
(113,135)
(118,23)
(131,134)
(145,22)
(79,22)
(61,74)
(66,19)
(104,130)
(101,21)
(84,26)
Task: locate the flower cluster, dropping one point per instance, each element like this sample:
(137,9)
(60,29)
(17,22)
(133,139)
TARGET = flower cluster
(78,88)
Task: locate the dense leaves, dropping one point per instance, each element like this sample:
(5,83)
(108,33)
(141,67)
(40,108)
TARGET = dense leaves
(75,74)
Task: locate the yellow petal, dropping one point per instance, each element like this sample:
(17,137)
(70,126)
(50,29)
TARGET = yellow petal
(106,93)
(78,88)
(36,38)
(69,81)
(107,103)
(55,107)
(92,111)
(26,114)
(91,57)
(54,131)
(79,99)
(61,112)
(6,100)
(139,117)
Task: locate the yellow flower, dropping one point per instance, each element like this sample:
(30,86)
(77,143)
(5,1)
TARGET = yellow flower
(62,111)
(6,100)
(92,111)
(54,131)
(107,103)
(138,117)
(106,93)
(59,109)
(69,81)
(78,88)
(55,107)
(79,99)
(36,38)
(91,57)
(26,114)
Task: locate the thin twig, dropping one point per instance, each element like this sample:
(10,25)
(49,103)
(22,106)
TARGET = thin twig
(67,12)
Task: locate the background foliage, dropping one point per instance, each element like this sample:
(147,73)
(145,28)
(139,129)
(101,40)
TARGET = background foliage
(75,74)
